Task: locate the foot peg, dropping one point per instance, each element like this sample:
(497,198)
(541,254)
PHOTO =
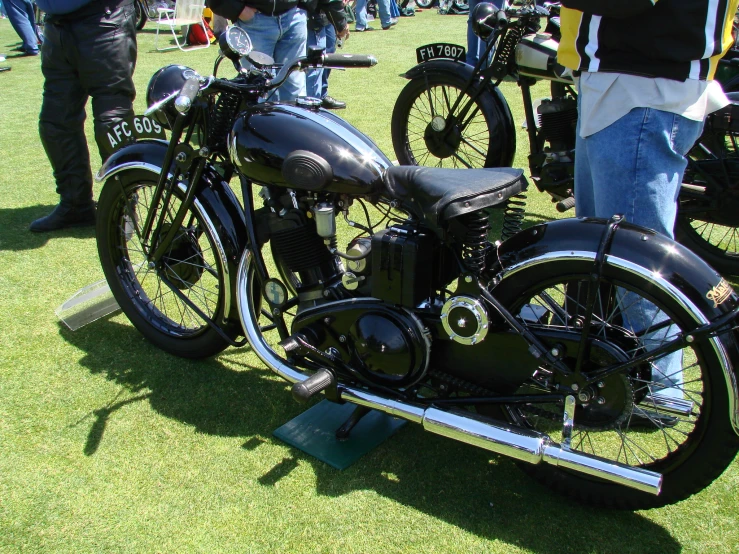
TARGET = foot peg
(318,382)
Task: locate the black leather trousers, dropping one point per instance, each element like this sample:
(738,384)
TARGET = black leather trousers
(88,53)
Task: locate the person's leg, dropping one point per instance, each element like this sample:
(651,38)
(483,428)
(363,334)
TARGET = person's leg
(360,13)
(314,78)
(473,41)
(330,49)
(61,129)
(25,28)
(106,61)
(640,180)
(383,9)
(641,177)
(264,31)
(291,44)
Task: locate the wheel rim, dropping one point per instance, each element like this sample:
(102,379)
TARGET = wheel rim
(190,265)
(462,144)
(623,417)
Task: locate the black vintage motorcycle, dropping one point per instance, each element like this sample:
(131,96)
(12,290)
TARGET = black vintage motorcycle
(454,115)
(378,286)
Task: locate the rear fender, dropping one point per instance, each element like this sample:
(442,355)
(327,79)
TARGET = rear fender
(223,213)
(666,264)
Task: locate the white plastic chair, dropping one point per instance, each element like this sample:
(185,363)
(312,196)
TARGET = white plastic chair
(185,12)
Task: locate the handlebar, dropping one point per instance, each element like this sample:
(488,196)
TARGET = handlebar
(348,60)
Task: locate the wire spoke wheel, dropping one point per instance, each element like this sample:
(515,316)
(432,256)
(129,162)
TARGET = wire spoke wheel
(425,130)
(165,302)
(660,414)
(708,210)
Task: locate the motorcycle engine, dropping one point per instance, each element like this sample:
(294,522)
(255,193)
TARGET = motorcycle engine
(553,169)
(367,339)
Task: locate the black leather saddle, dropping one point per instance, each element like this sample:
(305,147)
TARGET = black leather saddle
(441,194)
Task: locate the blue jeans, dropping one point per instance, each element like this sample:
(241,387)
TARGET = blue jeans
(283,37)
(317,79)
(634,167)
(475,46)
(23,20)
(360,12)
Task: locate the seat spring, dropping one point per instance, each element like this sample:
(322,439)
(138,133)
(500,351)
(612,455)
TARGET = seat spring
(476,244)
(513,215)
(222,120)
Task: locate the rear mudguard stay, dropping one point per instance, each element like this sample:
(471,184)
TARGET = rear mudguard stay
(666,264)
(460,69)
(214,195)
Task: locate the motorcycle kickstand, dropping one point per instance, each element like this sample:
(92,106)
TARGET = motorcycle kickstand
(342,433)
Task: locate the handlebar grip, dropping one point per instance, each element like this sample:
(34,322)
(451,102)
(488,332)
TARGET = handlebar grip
(348,60)
(501,19)
(187,95)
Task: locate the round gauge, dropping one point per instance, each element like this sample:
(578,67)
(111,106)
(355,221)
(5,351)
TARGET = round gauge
(275,292)
(235,42)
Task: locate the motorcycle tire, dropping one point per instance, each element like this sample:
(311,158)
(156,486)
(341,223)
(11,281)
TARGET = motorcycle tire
(141,17)
(708,225)
(621,421)
(424,103)
(424,4)
(191,264)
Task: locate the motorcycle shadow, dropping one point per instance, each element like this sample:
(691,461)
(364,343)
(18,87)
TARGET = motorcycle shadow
(234,395)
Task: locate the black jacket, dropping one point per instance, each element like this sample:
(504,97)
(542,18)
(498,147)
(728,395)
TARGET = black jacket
(231,9)
(675,39)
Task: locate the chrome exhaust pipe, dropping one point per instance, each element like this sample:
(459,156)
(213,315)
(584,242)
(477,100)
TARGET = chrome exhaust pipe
(521,444)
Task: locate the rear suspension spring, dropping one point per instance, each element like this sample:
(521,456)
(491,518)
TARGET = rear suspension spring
(513,215)
(476,244)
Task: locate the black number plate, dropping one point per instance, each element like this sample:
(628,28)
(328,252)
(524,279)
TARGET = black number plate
(130,130)
(440,51)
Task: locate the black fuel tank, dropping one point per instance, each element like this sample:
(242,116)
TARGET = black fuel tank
(323,151)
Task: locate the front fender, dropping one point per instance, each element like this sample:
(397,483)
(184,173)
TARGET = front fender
(664,263)
(461,69)
(214,197)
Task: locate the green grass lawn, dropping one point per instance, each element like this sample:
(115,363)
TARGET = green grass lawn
(109,445)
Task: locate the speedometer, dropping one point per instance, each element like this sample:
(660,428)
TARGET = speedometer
(235,42)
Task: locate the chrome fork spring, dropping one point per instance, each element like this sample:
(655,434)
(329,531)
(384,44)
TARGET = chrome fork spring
(476,244)
(223,114)
(513,215)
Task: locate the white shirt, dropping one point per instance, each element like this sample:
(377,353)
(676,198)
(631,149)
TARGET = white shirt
(607,97)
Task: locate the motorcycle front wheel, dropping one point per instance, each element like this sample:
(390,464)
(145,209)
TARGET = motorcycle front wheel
(424,132)
(670,416)
(191,266)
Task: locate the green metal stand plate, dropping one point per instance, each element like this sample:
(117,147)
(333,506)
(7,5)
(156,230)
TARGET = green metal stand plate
(314,432)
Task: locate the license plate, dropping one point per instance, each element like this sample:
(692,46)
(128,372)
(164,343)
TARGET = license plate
(130,130)
(440,51)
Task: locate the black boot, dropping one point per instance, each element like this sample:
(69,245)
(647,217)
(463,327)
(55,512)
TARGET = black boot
(332,103)
(65,216)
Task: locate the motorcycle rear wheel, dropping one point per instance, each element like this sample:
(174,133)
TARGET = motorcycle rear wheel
(419,116)
(689,450)
(191,264)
